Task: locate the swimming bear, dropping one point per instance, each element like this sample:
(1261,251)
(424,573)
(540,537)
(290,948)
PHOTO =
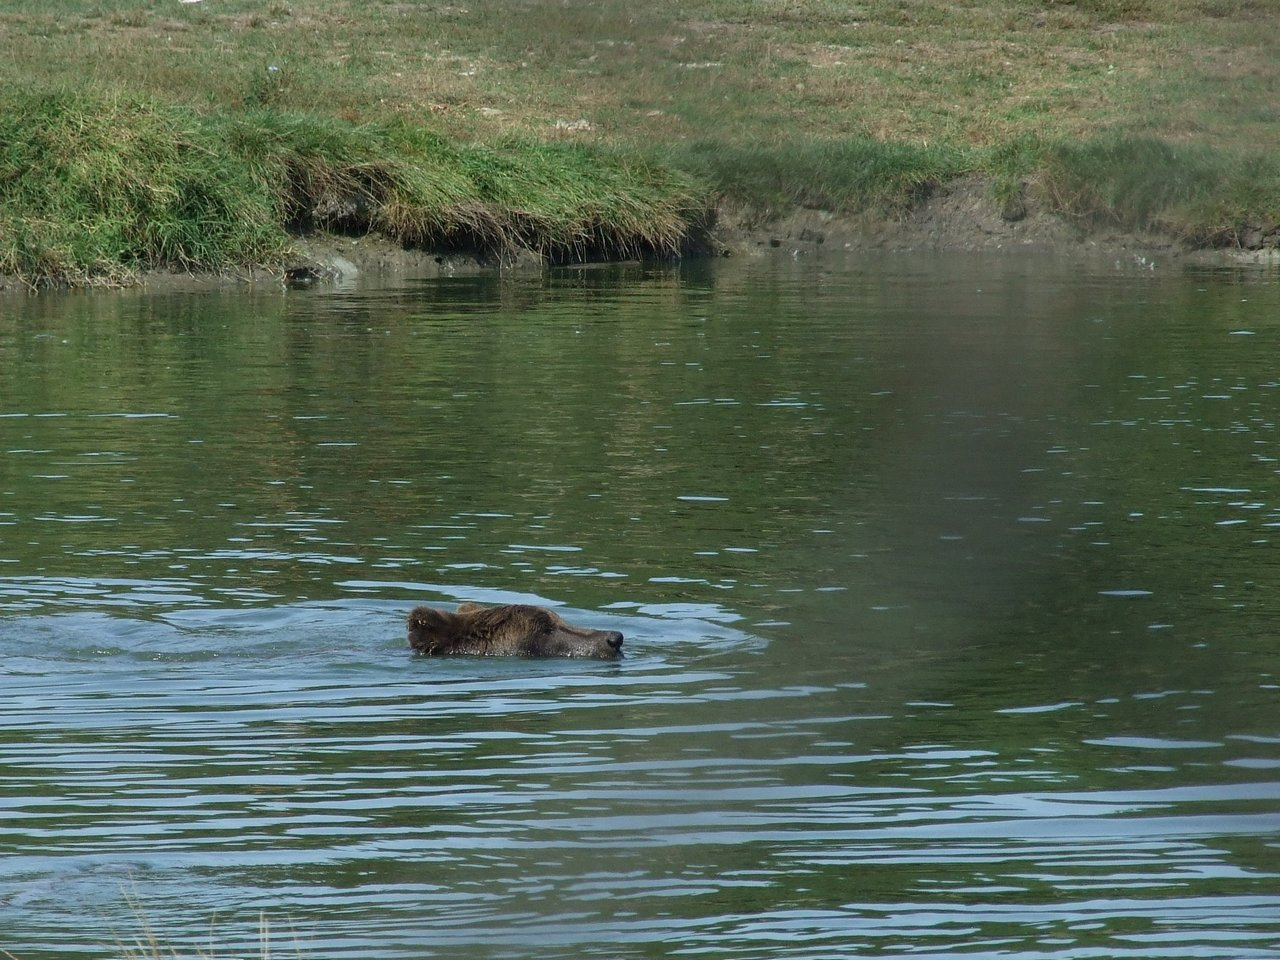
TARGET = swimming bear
(511,630)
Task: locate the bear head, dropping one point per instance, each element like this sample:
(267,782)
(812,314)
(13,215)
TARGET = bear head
(511,630)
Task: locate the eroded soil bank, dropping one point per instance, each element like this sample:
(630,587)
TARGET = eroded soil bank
(960,216)
(963,215)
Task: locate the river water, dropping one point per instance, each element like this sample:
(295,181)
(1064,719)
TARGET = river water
(949,586)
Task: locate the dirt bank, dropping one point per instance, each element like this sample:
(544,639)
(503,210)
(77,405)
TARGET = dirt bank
(960,216)
(964,216)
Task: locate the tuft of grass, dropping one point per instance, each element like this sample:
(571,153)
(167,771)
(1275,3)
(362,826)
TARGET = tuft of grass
(1011,165)
(854,175)
(93,189)
(566,199)
(1201,195)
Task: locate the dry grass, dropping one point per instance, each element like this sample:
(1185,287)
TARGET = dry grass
(906,70)
(147,943)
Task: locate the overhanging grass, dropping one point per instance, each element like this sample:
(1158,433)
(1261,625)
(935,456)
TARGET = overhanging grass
(564,199)
(93,189)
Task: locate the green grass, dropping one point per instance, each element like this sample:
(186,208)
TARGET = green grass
(93,189)
(90,189)
(605,126)
(1204,196)
(847,176)
(915,71)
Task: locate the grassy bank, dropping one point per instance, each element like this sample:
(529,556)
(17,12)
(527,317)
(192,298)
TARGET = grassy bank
(93,189)
(601,127)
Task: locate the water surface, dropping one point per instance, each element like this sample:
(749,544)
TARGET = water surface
(948,585)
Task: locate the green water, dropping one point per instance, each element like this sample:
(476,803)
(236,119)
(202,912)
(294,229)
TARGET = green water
(948,586)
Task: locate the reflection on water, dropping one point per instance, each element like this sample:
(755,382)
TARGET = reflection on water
(947,585)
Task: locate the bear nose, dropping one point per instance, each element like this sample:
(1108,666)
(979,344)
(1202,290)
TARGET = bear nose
(615,640)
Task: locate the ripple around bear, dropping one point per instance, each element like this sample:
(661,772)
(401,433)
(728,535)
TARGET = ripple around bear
(511,630)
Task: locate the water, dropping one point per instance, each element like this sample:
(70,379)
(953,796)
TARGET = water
(948,585)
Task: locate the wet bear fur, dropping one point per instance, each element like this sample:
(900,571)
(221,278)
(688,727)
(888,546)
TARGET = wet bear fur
(511,630)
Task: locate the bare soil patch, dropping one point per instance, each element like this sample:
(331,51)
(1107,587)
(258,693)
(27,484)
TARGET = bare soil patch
(961,215)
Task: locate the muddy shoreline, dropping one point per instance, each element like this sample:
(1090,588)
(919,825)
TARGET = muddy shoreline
(962,216)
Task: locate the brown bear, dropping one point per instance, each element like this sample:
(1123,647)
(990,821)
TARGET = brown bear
(511,630)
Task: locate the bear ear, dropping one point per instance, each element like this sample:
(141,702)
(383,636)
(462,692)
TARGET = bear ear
(426,615)
(469,607)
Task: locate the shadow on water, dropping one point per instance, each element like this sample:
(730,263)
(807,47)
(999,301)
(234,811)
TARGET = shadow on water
(947,588)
